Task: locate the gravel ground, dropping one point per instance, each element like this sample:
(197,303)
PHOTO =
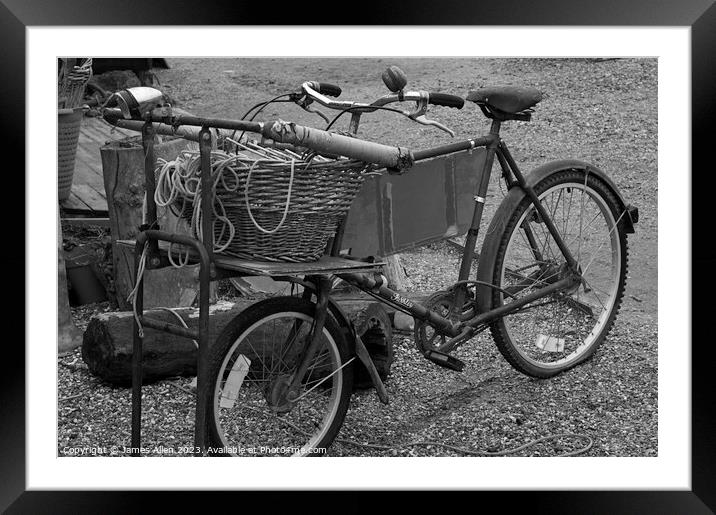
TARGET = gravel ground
(601,111)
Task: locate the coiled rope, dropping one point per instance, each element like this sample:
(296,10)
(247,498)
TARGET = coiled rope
(179,184)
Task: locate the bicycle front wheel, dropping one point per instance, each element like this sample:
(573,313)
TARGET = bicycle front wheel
(555,333)
(255,359)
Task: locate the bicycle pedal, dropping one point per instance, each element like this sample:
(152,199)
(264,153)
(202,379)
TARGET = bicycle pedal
(444,360)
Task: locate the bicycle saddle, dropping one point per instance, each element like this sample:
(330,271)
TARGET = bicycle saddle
(507,99)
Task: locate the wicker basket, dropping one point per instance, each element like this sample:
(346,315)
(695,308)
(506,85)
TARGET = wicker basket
(68,132)
(270,226)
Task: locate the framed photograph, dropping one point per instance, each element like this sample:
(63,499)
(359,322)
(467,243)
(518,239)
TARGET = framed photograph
(618,103)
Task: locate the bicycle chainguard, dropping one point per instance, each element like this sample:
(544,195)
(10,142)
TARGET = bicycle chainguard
(444,360)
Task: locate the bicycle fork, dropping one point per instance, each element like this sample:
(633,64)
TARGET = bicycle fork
(319,321)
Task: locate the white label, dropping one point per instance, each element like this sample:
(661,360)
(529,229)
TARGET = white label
(234,381)
(550,343)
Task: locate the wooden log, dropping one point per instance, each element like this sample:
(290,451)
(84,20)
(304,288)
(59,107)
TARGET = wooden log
(107,342)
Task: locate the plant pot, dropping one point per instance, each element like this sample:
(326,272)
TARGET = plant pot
(87,289)
(68,133)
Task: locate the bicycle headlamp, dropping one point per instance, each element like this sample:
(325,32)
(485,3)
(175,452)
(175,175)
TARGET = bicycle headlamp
(136,102)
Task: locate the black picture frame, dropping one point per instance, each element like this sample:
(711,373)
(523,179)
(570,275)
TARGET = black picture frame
(699,15)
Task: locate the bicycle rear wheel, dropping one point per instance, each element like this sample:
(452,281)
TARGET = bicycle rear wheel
(555,333)
(254,360)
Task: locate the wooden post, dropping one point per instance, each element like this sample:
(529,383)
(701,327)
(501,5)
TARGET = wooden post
(394,271)
(124,182)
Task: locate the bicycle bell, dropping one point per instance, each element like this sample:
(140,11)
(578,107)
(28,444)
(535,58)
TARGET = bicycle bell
(394,78)
(136,102)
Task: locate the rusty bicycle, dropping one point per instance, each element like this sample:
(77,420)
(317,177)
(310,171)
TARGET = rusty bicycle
(277,381)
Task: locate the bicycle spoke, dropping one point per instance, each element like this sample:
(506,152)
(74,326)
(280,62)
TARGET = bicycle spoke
(602,245)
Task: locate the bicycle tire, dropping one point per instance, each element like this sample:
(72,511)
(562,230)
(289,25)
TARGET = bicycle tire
(260,420)
(544,350)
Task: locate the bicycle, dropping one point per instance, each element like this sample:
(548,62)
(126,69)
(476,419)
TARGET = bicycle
(550,278)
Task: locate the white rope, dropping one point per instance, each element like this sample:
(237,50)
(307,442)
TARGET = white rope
(132,297)
(288,199)
(181,179)
(181,321)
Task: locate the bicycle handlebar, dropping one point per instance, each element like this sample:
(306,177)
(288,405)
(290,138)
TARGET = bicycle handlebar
(326,89)
(422,99)
(447,100)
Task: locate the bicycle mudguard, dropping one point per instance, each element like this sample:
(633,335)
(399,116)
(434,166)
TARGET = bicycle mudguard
(357,348)
(513,198)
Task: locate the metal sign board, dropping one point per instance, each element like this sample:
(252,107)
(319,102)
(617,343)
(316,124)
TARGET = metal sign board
(432,201)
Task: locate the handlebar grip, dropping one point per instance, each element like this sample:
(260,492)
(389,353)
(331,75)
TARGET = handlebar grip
(444,99)
(324,88)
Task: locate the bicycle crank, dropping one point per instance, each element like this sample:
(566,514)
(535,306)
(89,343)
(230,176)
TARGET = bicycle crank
(427,337)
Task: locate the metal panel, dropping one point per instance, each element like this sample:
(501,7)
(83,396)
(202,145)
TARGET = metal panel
(431,202)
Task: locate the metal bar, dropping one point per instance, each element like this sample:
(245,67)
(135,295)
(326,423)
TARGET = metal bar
(506,309)
(187,132)
(207,203)
(506,171)
(202,335)
(150,186)
(376,288)
(333,143)
(540,209)
(471,238)
(367,361)
(218,123)
(355,122)
(316,139)
(170,328)
(525,225)
(207,192)
(508,176)
(483,141)
(181,239)
(322,292)
(137,357)
(202,376)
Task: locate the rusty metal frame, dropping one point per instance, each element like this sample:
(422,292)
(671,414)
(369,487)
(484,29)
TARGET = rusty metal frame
(151,235)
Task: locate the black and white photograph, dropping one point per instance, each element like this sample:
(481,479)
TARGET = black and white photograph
(358,257)
(447,258)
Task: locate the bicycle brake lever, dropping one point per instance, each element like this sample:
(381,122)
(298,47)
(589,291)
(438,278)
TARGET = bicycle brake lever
(304,106)
(422,120)
(421,109)
(319,113)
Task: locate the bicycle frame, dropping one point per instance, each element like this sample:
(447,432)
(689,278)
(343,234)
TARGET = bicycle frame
(513,177)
